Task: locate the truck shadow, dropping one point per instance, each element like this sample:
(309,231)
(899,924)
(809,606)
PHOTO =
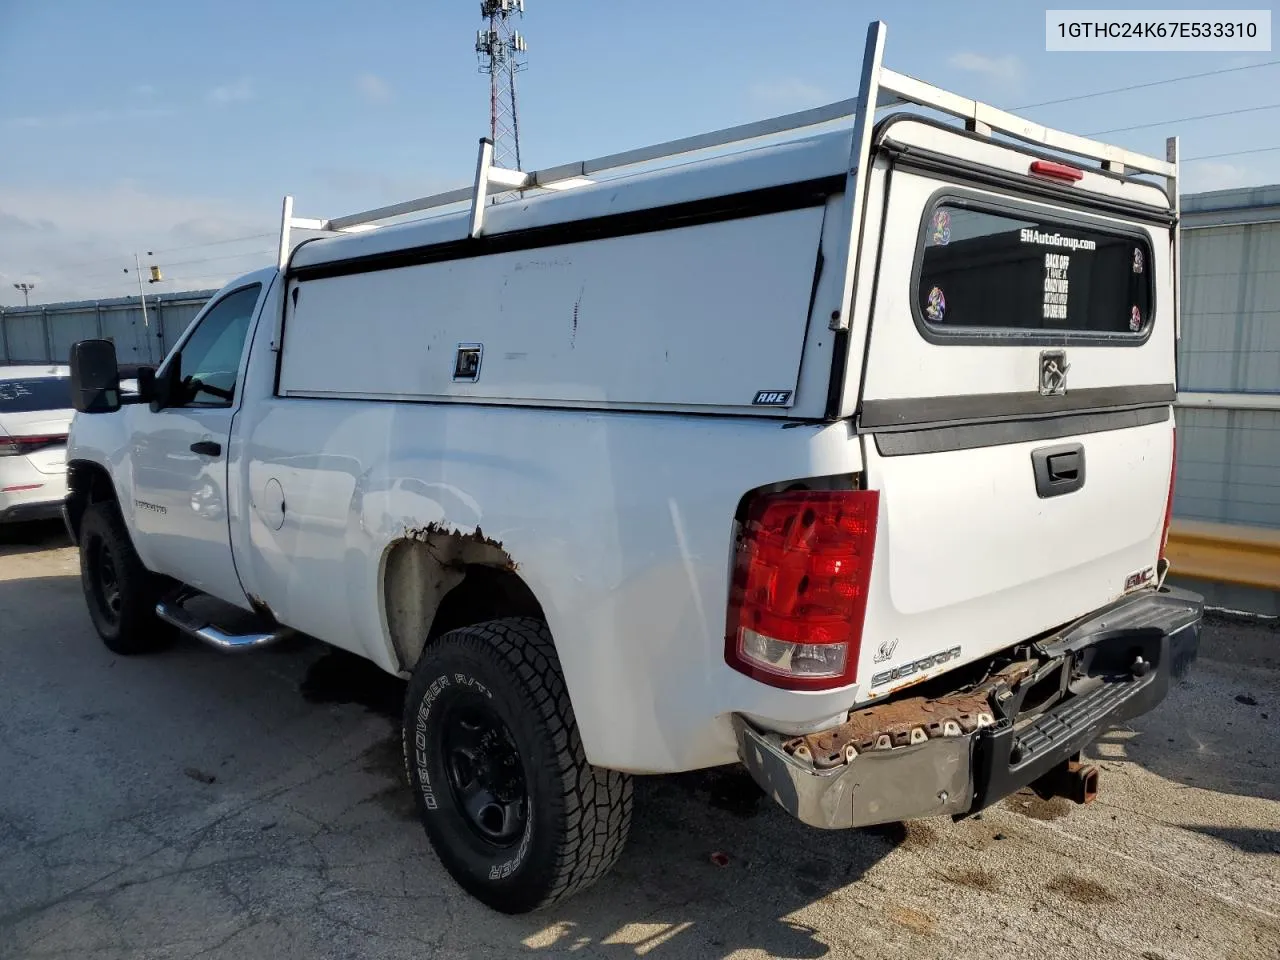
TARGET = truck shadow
(1217,729)
(712,868)
(712,865)
(34,536)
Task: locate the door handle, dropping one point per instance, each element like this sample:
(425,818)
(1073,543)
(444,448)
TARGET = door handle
(1058,470)
(1064,466)
(207,448)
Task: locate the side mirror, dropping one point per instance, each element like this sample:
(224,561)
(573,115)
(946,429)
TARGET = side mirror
(164,388)
(95,377)
(137,383)
(146,384)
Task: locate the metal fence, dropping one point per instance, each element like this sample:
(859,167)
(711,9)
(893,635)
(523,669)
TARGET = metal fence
(42,334)
(1229,367)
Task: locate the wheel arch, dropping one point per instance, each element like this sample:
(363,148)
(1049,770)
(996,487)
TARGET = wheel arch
(434,581)
(88,482)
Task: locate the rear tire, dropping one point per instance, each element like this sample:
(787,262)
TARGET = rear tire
(120,592)
(515,812)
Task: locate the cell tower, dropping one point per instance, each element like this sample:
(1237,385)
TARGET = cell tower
(501,49)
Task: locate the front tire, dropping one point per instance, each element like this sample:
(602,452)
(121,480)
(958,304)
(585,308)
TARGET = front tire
(515,812)
(120,592)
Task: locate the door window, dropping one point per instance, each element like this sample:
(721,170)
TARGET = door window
(211,355)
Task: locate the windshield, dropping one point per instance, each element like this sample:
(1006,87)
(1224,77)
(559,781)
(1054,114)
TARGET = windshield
(37,393)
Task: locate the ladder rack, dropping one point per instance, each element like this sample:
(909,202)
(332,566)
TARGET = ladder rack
(881,86)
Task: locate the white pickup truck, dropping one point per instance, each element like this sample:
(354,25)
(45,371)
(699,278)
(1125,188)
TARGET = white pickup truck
(839,445)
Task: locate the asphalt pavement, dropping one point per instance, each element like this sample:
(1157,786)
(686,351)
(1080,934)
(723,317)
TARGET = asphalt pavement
(192,803)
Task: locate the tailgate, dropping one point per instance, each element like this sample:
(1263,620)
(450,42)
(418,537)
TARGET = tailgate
(1015,410)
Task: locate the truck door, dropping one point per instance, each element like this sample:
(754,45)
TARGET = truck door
(179,454)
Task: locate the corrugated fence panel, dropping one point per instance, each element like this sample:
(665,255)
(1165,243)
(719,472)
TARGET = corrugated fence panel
(1228,459)
(22,334)
(25,335)
(1231,309)
(66,328)
(123,325)
(1228,466)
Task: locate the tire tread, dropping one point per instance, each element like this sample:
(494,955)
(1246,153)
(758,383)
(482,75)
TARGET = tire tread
(139,630)
(595,803)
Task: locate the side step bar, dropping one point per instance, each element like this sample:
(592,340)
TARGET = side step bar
(178,616)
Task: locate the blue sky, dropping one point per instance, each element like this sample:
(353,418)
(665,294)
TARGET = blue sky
(178,126)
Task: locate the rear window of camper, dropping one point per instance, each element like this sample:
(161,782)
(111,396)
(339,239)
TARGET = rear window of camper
(986,269)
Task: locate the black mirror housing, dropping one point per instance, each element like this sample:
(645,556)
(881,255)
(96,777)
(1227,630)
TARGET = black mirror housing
(144,376)
(146,384)
(163,390)
(95,377)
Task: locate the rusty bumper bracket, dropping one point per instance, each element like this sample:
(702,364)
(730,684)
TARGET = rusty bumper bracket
(902,723)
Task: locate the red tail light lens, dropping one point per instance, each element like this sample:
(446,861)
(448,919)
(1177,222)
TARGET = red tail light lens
(799,590)
(1056,171)
(13,446)
(1168,505)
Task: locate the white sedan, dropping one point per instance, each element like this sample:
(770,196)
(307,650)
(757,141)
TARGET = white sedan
(35,415)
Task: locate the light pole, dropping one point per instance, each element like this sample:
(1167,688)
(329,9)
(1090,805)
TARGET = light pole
(26,289)
(137,272)
(155,278)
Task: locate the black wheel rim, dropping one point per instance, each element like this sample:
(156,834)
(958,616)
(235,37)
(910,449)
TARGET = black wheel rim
(484,770)
(105,579)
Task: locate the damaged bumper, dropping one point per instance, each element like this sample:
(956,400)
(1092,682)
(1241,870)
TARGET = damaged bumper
(954,755)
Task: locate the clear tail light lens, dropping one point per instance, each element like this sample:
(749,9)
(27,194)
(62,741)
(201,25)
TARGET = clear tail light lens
(799,590)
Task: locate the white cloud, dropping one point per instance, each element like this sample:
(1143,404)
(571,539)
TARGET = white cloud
(373,88)
(1007,69)
(788,93)
(78,241)
(236,92)
(144,90)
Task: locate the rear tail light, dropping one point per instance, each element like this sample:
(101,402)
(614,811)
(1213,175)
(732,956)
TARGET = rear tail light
(17,446)
(799,590)
(1168,504)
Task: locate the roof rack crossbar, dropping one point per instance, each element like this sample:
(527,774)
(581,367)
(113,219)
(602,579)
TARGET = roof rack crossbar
(880,85)
(980,114)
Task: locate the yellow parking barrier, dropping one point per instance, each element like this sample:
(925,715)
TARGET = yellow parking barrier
(1224,553)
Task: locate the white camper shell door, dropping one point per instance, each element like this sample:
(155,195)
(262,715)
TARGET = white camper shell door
(974,553)
(707,317)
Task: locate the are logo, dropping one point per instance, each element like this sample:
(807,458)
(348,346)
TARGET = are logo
(772,398)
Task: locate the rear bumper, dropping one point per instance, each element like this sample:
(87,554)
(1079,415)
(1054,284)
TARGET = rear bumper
(1115,664)
(28,494)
